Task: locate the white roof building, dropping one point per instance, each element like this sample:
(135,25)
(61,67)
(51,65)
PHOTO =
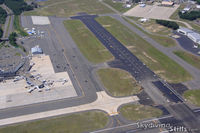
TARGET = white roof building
(184,31)
(142,5)
(186,9)
(195,37)
(36,50)
(198,6)
(143,20)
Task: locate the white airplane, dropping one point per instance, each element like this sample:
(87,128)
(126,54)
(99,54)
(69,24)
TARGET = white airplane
(18,78)
(32,64)
(65,81)
(195,46)
(47,88)
(39,90)
(31,89)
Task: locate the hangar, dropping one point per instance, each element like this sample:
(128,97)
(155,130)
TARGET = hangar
(184,31)
(194,37)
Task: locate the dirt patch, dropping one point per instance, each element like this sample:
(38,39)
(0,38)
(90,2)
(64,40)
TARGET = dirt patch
(130,47)
(106,25)
(145,54)
(159,71)
(103,50)
(155,28)
(62,11)
(127,77)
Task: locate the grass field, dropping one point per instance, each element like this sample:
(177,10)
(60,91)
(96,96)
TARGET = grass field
(17,26)
(154,59)
(75,123)
(159,33)
(193,96)
(88,44)
(118,6)
(153,27)
(189,58)
(66,8)
(139,112)
(118,82)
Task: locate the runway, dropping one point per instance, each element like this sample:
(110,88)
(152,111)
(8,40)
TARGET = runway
(124,59)
(130,62)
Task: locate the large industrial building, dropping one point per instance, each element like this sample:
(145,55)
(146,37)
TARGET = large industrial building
(184,31)
(194,36)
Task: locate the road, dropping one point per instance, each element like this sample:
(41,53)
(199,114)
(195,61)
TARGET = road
(155,125)
(8,26)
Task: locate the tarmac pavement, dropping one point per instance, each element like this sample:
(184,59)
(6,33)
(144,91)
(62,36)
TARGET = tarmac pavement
(81,78)
(103,102)
(187,44)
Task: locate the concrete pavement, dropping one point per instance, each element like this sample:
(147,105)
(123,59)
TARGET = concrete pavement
(103,102)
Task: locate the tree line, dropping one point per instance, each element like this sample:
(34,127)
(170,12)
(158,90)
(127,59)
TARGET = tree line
(1,33)
(12,39)
(169,24)
(193,15)
(17,6)
(198,1)
(3,15)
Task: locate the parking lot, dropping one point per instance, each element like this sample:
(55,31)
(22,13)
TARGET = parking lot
(60,85)
(152,11)
(187,43)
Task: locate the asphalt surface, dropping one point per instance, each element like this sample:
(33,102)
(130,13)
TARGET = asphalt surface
(193,84)
(129,62)
(187,44)
(167,92)
(139,126)
(78,68)
(186,115)
(124,59)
